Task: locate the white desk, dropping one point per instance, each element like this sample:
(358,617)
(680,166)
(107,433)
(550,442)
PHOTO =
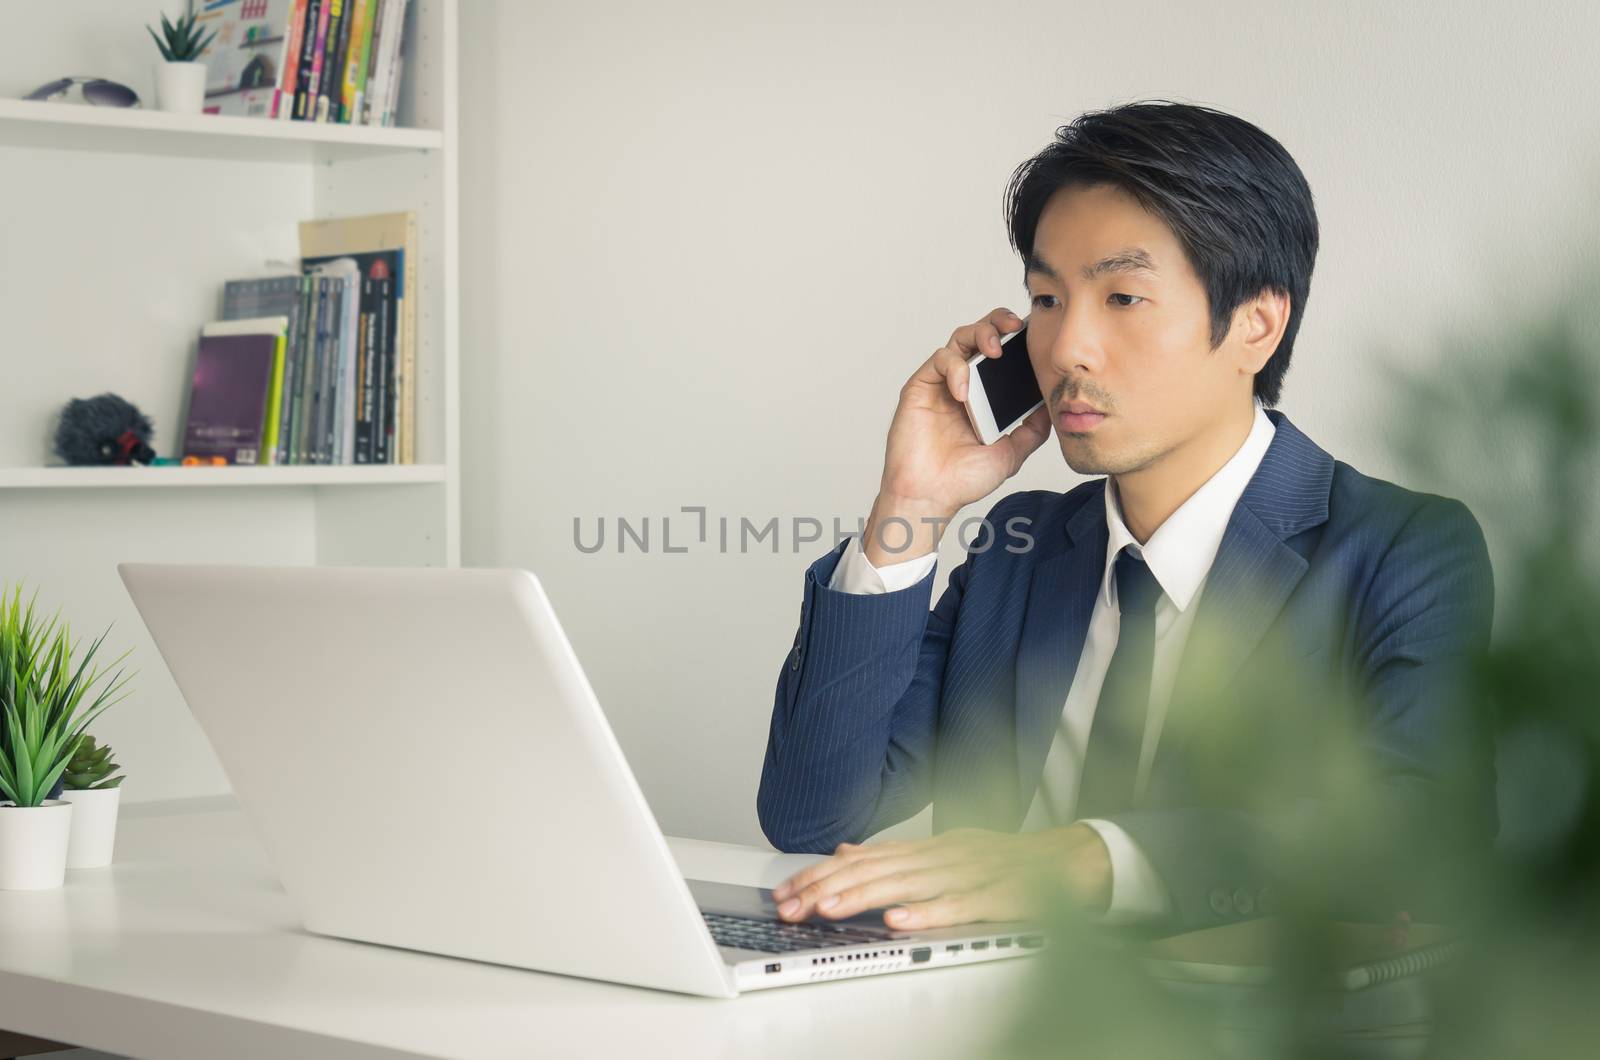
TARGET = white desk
(188,947)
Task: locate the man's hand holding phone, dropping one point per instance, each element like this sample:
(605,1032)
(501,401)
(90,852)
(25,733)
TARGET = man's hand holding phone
(935,464)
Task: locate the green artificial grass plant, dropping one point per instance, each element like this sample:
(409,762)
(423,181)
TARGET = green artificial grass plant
(42,699)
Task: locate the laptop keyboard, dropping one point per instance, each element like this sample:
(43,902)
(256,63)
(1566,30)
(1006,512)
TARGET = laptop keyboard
(776,936)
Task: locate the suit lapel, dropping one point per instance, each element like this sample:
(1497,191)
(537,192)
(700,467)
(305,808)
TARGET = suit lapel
(1061,599)
(1252,577)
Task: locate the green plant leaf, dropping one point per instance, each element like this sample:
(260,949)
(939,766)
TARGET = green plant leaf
(112,783)
(165,53)
(49,781)
(25,780)
(20,760)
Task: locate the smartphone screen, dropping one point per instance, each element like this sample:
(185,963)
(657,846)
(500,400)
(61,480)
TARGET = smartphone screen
(1009,382)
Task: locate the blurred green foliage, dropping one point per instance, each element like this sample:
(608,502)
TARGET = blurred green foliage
(1509,421)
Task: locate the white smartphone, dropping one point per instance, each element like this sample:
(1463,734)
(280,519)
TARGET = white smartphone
(1002,391)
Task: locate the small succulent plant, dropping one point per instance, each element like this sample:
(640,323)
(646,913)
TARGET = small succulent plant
(91,767)
(184,41)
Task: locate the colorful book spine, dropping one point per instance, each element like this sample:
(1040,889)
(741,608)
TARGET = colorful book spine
(352,379)
(308,365)
(369,83)
(283,103)
(296,372)
(327,93)
(341,59)
(383,375)
(405,397)
(394,13)
(333,412)
(361,448)
(269,439)
(396,72)
(319,348)
(355,64)
(329,364)
(305,100)
(344,390)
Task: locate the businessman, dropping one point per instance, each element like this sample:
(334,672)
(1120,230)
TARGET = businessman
(1046,705)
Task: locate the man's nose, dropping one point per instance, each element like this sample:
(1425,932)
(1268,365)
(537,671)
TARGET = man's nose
(1075,347)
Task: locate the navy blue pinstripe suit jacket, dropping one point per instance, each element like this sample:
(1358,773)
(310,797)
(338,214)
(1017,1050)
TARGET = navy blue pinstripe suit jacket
(1369,590)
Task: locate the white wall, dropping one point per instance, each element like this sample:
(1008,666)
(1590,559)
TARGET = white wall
(778,212)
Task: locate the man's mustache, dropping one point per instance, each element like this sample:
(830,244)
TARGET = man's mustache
(1077,390)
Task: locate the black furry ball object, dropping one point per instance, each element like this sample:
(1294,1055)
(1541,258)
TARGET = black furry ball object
(104,430)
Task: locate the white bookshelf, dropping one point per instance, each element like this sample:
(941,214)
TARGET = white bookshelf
(109,129)
(120,228)
(27,478)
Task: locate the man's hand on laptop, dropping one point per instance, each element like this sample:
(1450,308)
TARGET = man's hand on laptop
(955,878)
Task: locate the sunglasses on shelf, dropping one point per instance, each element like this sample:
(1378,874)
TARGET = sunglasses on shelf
(94,90)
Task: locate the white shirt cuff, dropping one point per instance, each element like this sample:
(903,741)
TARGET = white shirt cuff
(1137,892)
(856,574)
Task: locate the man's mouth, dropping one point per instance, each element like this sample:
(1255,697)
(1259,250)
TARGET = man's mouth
(1076,417)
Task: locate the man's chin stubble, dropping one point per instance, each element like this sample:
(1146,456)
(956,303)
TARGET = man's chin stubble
(1084,457)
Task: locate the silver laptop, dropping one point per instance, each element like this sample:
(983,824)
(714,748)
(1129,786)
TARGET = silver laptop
(428,768)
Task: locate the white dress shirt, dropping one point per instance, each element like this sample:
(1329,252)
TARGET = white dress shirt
(1179,554)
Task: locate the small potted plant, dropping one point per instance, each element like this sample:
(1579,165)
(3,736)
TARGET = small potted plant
(93,786)
(181,77)
(42,716)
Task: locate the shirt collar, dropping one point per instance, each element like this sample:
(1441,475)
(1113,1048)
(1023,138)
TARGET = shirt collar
(1182,549)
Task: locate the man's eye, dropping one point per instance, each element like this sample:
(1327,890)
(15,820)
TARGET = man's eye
(1039,297)
(1136,298)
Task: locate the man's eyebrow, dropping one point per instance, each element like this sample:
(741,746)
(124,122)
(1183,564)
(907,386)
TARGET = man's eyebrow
(1128,259)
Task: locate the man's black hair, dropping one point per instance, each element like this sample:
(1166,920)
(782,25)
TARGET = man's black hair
(1232,195)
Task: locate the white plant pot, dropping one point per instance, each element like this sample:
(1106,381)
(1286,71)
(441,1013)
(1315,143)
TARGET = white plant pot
(94,827)
(33,845)
(181,87)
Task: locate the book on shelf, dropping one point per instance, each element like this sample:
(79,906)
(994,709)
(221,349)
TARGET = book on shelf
(341,60)
(367,353)
(333,430)
(386,69)
(305,82)
(337,25)
(273,296)
(287,83)
(345,377)
(355,65)
(245,61)
(237,390)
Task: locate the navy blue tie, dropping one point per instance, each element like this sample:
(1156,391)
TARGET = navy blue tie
(1116,736)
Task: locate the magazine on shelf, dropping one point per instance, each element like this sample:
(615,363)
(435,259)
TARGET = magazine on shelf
(245,61)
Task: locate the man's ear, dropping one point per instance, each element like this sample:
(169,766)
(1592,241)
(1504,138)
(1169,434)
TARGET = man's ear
(1259,325)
